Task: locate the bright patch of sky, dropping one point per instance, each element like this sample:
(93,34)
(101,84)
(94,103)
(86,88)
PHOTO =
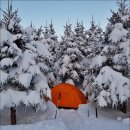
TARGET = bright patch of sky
(40,11)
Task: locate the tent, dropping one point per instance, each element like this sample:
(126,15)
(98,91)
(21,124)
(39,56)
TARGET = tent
(66,95)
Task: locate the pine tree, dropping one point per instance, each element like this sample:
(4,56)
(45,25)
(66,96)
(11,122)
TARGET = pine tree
(44,58)
(70,66)
(111,86)
(95,39)
(11,20)
(21,66)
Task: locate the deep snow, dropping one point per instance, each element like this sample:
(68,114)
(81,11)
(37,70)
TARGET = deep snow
(108,119)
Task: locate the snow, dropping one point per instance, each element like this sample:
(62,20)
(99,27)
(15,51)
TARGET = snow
(74,74)
(29,30)
(43,67)
(25,79)
(4,77)
(11,98)
(119,118)
(34,70)
(126,121)
(28,65)
(102,101)
(17,36)
(41,85)
(41,49)
(5,36)
(70,119)
(27,60)
(70,81)
(118,33)
(4,49)
(98,61)
(13,49)
(114,84)
(125,46)
(125,18)
(63,70)
(46,125)
(6,62)
(66,59)
(12,23)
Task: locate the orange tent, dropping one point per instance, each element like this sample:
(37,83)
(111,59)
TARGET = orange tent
(67,96)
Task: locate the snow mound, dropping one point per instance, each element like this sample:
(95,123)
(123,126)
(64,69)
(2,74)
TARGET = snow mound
(126,121)
(45,125)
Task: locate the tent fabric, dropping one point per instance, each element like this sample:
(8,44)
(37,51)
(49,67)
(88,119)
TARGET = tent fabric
(67,96)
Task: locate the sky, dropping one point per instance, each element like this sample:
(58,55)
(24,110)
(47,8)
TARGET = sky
(60,11)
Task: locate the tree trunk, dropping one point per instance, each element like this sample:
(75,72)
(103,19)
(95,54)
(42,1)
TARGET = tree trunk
(123,107)
(13,115)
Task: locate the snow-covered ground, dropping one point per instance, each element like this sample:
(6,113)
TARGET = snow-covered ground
(67,119)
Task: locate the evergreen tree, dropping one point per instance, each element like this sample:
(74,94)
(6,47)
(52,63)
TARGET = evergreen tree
(95,39)
(44,59)
(80,38)
(70,67)
(21,65)
(11,20)
(111,86)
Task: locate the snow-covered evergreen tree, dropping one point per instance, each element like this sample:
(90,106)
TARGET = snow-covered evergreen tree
(95,38)
(70,67)
(45,60)
(22,79)
(111,86)
(50,40)
(11,20)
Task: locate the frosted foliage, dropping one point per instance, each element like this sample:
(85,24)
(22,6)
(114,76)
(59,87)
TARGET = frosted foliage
(102,98)
(27,60)
(24,64)
(34,70)
(98,61)
(111,86)
(14,98)
(17,36)
(5,36)
(25,79)
(66,59)
(4,77)
(6,62)
(41,49)
(64,70)
(73,52)
(125,18)
(118,33)
(74,75)
(13,49)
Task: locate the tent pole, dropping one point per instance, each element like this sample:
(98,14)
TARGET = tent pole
(58,104)
(88,113)
(96,112)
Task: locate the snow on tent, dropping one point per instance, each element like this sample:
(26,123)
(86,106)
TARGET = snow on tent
(66,95)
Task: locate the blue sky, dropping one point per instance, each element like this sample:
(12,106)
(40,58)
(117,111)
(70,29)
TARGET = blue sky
(38,11)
